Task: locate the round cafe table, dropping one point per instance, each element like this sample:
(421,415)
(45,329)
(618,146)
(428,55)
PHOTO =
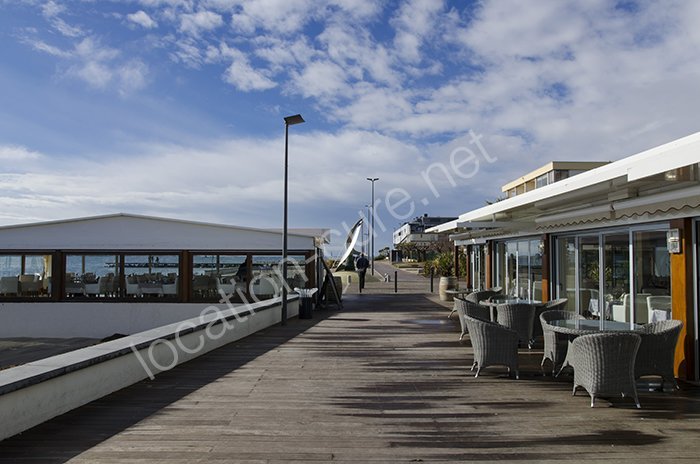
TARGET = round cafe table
(572,328)
(493,303)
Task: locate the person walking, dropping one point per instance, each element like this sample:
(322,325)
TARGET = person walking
(361,266)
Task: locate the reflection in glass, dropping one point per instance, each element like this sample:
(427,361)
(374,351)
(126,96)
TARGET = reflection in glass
(616,277)
(26,275)
(151,276)
(91,276)
(589,273)
(566,267)
(652,284)
(215,277)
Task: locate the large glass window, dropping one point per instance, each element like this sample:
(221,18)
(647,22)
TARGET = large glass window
(616,277)
(604,267)
(95,276)
(267,275)
(215,277)
(25,275)
(652,298)
(519,268)
(478,267)
(152,276)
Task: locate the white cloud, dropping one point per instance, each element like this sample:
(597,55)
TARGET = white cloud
(17,153)
(142,19)
(277,16)
(242,76)
(415,21)
(194,23)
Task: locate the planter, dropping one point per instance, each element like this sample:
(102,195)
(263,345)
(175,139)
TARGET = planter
(446,283)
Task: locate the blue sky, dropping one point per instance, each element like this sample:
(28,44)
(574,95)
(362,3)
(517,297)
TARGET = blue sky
(174,107)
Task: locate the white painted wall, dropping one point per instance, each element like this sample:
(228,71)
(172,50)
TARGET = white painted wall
(26,407)
(91,319)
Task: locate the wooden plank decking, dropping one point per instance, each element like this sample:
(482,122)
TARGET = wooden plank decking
(385,380)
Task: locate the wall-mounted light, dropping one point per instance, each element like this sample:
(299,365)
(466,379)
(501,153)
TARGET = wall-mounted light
(673,241)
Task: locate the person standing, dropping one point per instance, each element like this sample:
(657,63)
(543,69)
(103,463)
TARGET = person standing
(361,266)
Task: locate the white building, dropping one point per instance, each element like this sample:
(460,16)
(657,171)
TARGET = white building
(124,273)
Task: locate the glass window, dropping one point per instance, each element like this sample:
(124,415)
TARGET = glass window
(151,276)
(542,180)
(500,265)
(95,276)
(25,275)
(535,287)
(616,277)
(589,272)
(266,278)
(566,271)
(652,297)
(215,277)
(511,287)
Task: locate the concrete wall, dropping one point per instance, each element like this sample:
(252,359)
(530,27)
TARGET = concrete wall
(91,319)
(36,392)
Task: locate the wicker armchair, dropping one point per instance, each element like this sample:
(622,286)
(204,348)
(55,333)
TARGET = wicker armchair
(466,308)
(558,304)
(493,344)
(476,297)
(656,353)
(604,364)
(518,317)
(555,346)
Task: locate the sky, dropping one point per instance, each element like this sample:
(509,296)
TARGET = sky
(175,108)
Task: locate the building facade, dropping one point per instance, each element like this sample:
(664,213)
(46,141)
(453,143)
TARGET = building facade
(120,265)
(619,241)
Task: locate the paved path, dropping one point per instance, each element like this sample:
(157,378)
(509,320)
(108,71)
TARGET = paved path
(385,380)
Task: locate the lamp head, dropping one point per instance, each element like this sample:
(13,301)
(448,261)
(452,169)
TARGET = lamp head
(295,119)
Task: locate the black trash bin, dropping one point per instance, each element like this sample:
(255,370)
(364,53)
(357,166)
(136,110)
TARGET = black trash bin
(306,303)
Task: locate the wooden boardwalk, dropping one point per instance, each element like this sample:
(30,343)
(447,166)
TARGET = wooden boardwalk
(385,380)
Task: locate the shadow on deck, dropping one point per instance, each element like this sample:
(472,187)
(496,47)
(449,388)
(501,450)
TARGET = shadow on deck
(385,379)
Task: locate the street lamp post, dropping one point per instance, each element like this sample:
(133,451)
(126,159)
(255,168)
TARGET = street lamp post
(371,252)
(363,232)
(288,121)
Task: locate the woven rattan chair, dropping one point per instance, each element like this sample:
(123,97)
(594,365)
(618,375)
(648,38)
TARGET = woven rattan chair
(476,297)
(558,304)
(555,345)
(493,344)
(657,351)
(466,308)
(518,317)
(604,364)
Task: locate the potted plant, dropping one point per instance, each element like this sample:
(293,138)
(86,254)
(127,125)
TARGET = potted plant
(444,267)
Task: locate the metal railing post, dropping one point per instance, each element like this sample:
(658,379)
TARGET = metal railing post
(396,281)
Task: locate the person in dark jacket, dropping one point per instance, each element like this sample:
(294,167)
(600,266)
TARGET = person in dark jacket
(361,266)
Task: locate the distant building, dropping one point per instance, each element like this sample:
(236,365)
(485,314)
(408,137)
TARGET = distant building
(413,232)
(551,172)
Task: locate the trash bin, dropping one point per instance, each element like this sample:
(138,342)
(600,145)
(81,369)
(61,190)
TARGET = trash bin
(305,302)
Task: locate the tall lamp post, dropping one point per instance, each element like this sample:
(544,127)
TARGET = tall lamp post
(371,252)
(363,231)
(288,121)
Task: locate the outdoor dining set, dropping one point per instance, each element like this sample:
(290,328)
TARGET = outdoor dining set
(607,357)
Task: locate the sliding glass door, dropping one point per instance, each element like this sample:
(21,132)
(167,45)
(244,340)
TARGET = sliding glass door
(611,275)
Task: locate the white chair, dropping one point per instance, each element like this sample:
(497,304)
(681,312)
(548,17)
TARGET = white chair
(537,290)
(659,308)
(9,285)
(132,287)
(74,288)
(29,284)
(170,289)
(621,312)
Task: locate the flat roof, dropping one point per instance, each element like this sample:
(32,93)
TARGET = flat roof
(551,166)
(579,190)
